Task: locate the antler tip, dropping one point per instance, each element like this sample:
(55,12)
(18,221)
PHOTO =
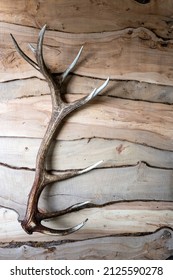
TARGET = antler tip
(86,221)
(106,82)
(12,37)
(44,26)
(81,48)
(42,31)
(87,169)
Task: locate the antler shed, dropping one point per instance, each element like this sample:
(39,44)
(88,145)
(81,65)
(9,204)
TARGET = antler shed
(60,109)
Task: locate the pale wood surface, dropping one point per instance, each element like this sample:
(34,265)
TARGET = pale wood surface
(105,54)
(130,127)
(115,153)
(144,123)
(117,218)
(90,15)
(100,186)
(133,90)
(114,247)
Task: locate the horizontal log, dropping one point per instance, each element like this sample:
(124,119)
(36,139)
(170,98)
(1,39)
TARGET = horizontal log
(100,186)
(83,85)
(156,246)
(129,54)
(139,122)
(90,16)
(119,218)
(78,154)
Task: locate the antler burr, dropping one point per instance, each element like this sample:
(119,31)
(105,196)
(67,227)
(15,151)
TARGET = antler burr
(60,109)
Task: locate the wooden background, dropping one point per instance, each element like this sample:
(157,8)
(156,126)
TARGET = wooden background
(129,126)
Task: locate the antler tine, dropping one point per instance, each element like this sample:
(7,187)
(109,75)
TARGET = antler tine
(54,86)
(39,51)
(71,66)
(51,178)
(89,168)
(55,214)
(44,216)
(40,65)
(86,99)
(27,58)
(96,91)
(61,232)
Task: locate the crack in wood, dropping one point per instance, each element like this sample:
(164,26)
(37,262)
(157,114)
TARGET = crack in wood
(108,94)
(22,79)
(16,167)
(103,205)
(167,234)
(138,163)
(139,100)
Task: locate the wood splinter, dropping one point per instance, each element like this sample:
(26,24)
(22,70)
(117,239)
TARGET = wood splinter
(60,109)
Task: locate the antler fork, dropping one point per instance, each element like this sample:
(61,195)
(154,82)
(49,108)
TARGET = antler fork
(60,109)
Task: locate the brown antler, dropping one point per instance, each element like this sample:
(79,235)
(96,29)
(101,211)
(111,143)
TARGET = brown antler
(60,109)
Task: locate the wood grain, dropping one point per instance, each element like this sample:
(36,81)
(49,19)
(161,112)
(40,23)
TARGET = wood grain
(77,154)
(118,218)
(100,186)
(129,54)
(139,122)
(156,246)
(75,84)
(90,16)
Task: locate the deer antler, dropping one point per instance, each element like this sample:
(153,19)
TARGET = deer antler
(60,109)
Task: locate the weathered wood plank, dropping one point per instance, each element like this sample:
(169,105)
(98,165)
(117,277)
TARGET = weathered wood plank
(139,122)
(118,218)
(83,85)
(130,54)
(124,89)
(78,154)
(90,16)
(99,187)
(152,246)
(23,88)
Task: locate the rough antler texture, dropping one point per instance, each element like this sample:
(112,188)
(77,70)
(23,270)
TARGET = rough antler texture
(60,109)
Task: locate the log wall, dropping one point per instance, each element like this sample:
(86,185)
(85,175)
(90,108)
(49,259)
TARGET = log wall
(129,126)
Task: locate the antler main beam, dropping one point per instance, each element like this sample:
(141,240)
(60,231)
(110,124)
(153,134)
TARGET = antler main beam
(60,109)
